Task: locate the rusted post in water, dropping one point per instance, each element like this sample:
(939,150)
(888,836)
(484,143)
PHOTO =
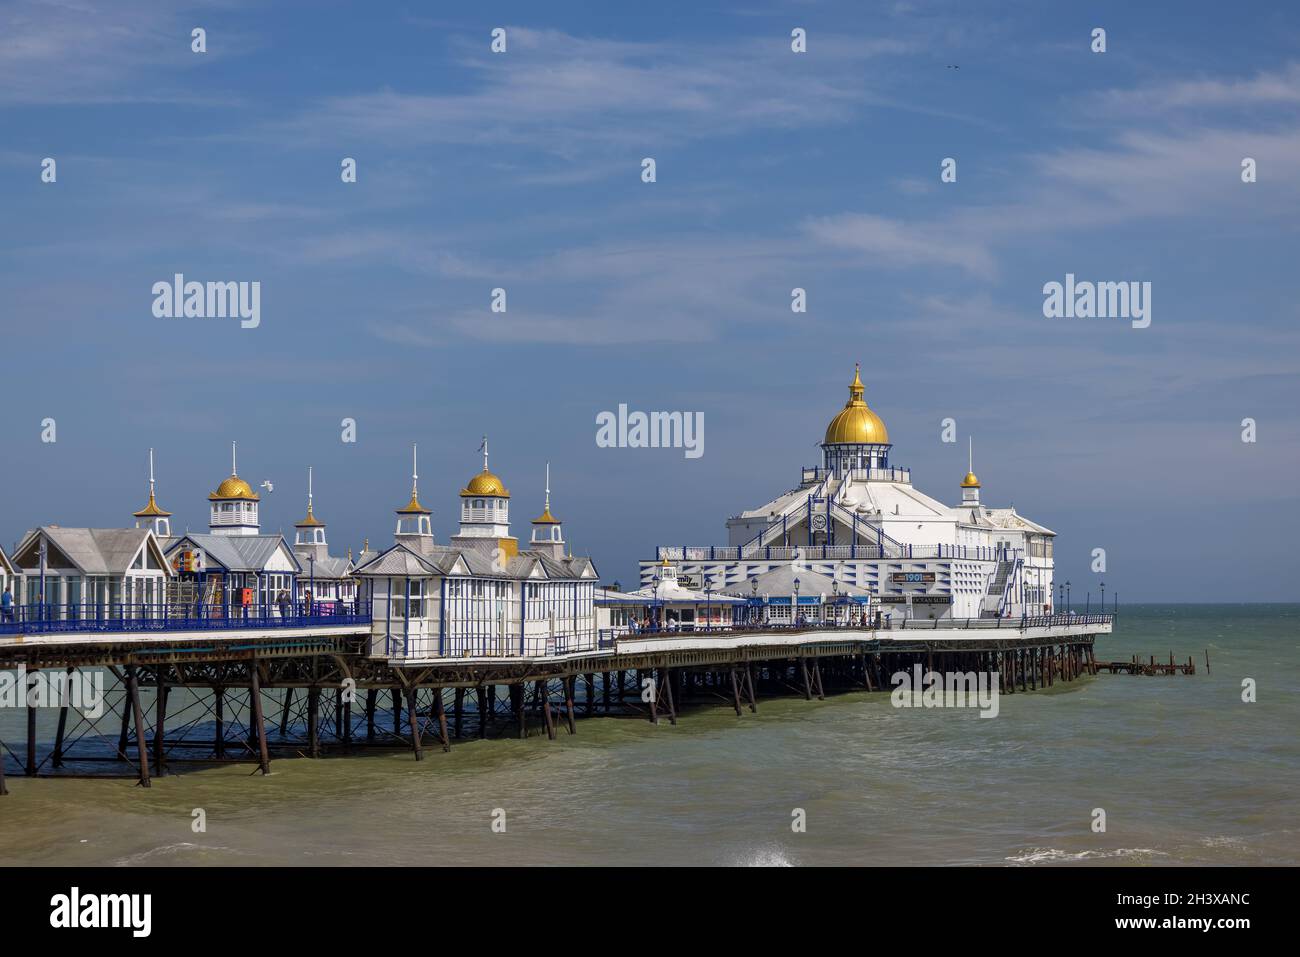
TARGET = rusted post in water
(414,715)
(133,693)
(590,703)
(654,697)
(31,729)
(372,702)
(543,690)
(807,683)
(604,690)
(817,674)
(459,711)
(259,722)
(313,721)
(569,689)
(749,686)
(56,760)
(484,709)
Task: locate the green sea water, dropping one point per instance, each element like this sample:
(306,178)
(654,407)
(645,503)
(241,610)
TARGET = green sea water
(1186,772)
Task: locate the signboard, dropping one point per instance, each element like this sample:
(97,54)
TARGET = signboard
(918,578)
(691,581)
(915,599)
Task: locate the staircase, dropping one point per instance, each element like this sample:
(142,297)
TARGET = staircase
(998,593)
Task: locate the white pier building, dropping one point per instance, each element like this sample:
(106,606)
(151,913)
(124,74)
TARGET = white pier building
(858,519)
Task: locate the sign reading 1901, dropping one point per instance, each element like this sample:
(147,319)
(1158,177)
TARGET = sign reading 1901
(918,577)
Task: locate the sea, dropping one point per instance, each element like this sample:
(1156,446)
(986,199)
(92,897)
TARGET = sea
(1180,771)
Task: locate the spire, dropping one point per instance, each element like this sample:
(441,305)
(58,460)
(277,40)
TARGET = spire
(414,505)
(856,387)
(548,480)
(310,519)
(970,481)
(151,509)
(546,518)
(233,470)
(484,449)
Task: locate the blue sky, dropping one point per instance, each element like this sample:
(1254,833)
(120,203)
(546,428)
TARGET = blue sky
(775,170)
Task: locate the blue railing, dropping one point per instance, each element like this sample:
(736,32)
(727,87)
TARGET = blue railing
(190,616)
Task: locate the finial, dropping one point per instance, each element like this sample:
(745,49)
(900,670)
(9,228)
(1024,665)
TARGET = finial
(855,387)
(349,554)
(309,490)
(233,470)
(415,470)
(365,546)
(548,488)
(970,454)
(484,449)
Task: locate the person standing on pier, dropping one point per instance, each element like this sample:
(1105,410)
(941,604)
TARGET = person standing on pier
(7,605)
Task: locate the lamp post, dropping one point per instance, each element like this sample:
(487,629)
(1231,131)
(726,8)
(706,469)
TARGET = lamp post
(794,611)
(835,589)
(1067,596)
(1103,598)
(753,598)
(1060,597)
(708,603)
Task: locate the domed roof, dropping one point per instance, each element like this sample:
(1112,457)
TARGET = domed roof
(856,424)
(970,481)
(152,510)
(546,518)
(234,487)
(485,483)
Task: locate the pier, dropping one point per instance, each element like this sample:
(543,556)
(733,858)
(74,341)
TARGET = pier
(188,692)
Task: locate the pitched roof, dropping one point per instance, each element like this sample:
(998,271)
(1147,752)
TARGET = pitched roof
(95,551)
(239,553)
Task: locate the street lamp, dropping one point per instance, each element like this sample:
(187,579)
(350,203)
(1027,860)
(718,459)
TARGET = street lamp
(708,603)
(794,611)
(1103,598)
(1067,596)
(753,598)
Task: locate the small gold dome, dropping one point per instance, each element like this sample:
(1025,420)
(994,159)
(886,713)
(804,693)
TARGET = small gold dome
(310,521)
(856,424)
(413,507)
(485,483)
(546,518)
(970,481)
(152,510)
(234,487)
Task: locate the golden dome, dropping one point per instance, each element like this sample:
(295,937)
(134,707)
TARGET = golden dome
(234,487)
(546,518)
(152,510)
(413,507)
(970,481)
(485,483)
(310,521)
(856,424)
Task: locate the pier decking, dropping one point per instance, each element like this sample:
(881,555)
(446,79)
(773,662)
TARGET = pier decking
(296,685)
